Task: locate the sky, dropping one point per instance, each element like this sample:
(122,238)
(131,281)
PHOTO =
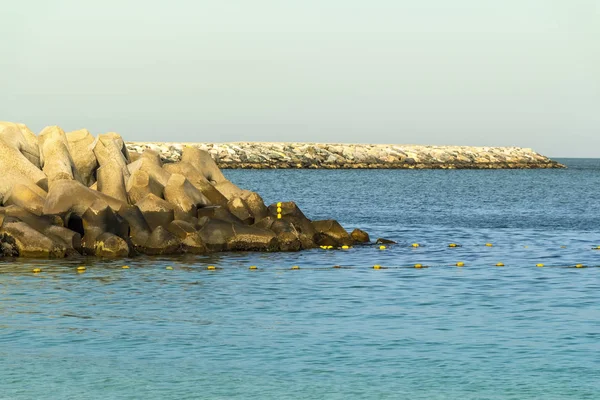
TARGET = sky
(439,72)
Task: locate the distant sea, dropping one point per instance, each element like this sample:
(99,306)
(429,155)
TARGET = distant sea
(443,332)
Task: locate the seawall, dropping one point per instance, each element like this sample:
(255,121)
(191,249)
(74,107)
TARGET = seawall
(252,155)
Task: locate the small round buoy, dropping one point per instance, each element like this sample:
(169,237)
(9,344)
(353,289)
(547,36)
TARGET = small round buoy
(376,266)
(323,247)
(329,247)
(500,265)
(125,267)
(279,205)
(579,266)
(295,267)
(253,267)
(489,245)
(452,245)
(539,265)
(337,266)
(460,264)
(345,247)
(279,210)
(418,265)
(81,269)
(415,245)
(37,270)
(382,247)
(596,248)
(169,268)
(211,268)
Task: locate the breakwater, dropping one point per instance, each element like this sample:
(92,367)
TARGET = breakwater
(251,155)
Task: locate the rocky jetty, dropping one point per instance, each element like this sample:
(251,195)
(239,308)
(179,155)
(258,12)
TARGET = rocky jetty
(67,194)
(353,156)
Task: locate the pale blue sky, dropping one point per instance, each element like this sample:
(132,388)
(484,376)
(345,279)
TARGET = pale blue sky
(466,72)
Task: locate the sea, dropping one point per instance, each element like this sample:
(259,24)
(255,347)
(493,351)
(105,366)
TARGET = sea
(170,328)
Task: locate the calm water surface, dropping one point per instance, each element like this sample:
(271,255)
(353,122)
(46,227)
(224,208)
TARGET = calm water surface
(477,332)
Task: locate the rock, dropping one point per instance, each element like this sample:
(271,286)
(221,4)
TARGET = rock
(189,236)
(139,230)
(23,196)
(140,184)
(22,139)
(111,180)
(256,205)
(29,242)
(98,219)
(39,223)
(218,212)
(81,144)
(332,233)
(216,233)
(183,195)
(385,241)
(198,180)
(291,213)
(72,197)
(69,239)
(161,242)
(360,236)
(108,148)
(238,207)
(15,167)
(150,163)
(55,156)
(108,245)
(157,212)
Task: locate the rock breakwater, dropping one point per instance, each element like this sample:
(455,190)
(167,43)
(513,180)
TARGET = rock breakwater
(68,194)
(354,156)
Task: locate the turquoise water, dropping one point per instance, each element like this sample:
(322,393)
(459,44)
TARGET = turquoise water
(443,332)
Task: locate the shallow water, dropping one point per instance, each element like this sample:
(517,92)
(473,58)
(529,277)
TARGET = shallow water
(443,332)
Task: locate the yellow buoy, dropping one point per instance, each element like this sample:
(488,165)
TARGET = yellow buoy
(211,268)
(415,245)
(329,247)
(345,247)
(596,248)
(125,267)
(278,216)
(323,247)
(376,266)
(169,268)
(295,267)
(579,266)
(279,205)
(452,245)
(489,245)
(418,265)
(500,265)
(337,266)
(81,269)
(37,270)
(279,210)
(539,265)
(382,247)
(253,267)
(460,264)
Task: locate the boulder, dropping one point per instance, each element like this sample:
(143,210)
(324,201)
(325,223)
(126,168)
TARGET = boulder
(157,212)
(72,197)
(239,208)
(140,184)
(198,180)
(250,238)
(111,180)
(29,242)
(39,223)
(25,197)
(108,245)
(55,156)
(98,219)
(360,236)
(332,233)
(15,167)
(21,138)
(218,212)
(150,163)
(81,144)
(161,242)
(108,148)
(69,239)
(139,230)
(189,236)
(183,195)
(255,205)
(291,212)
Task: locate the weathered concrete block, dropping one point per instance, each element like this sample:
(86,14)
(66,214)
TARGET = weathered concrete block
(330,230)
(161,242)
(81,145)
(111,180)
(25,197)
(140,184)
(183,195)
(157,212)
(108,245)
(360,236)
(139,229)
(30,243)
(150,163)
(239,208)
(72,197)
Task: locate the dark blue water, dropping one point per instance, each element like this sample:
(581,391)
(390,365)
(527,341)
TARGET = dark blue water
(443,332)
